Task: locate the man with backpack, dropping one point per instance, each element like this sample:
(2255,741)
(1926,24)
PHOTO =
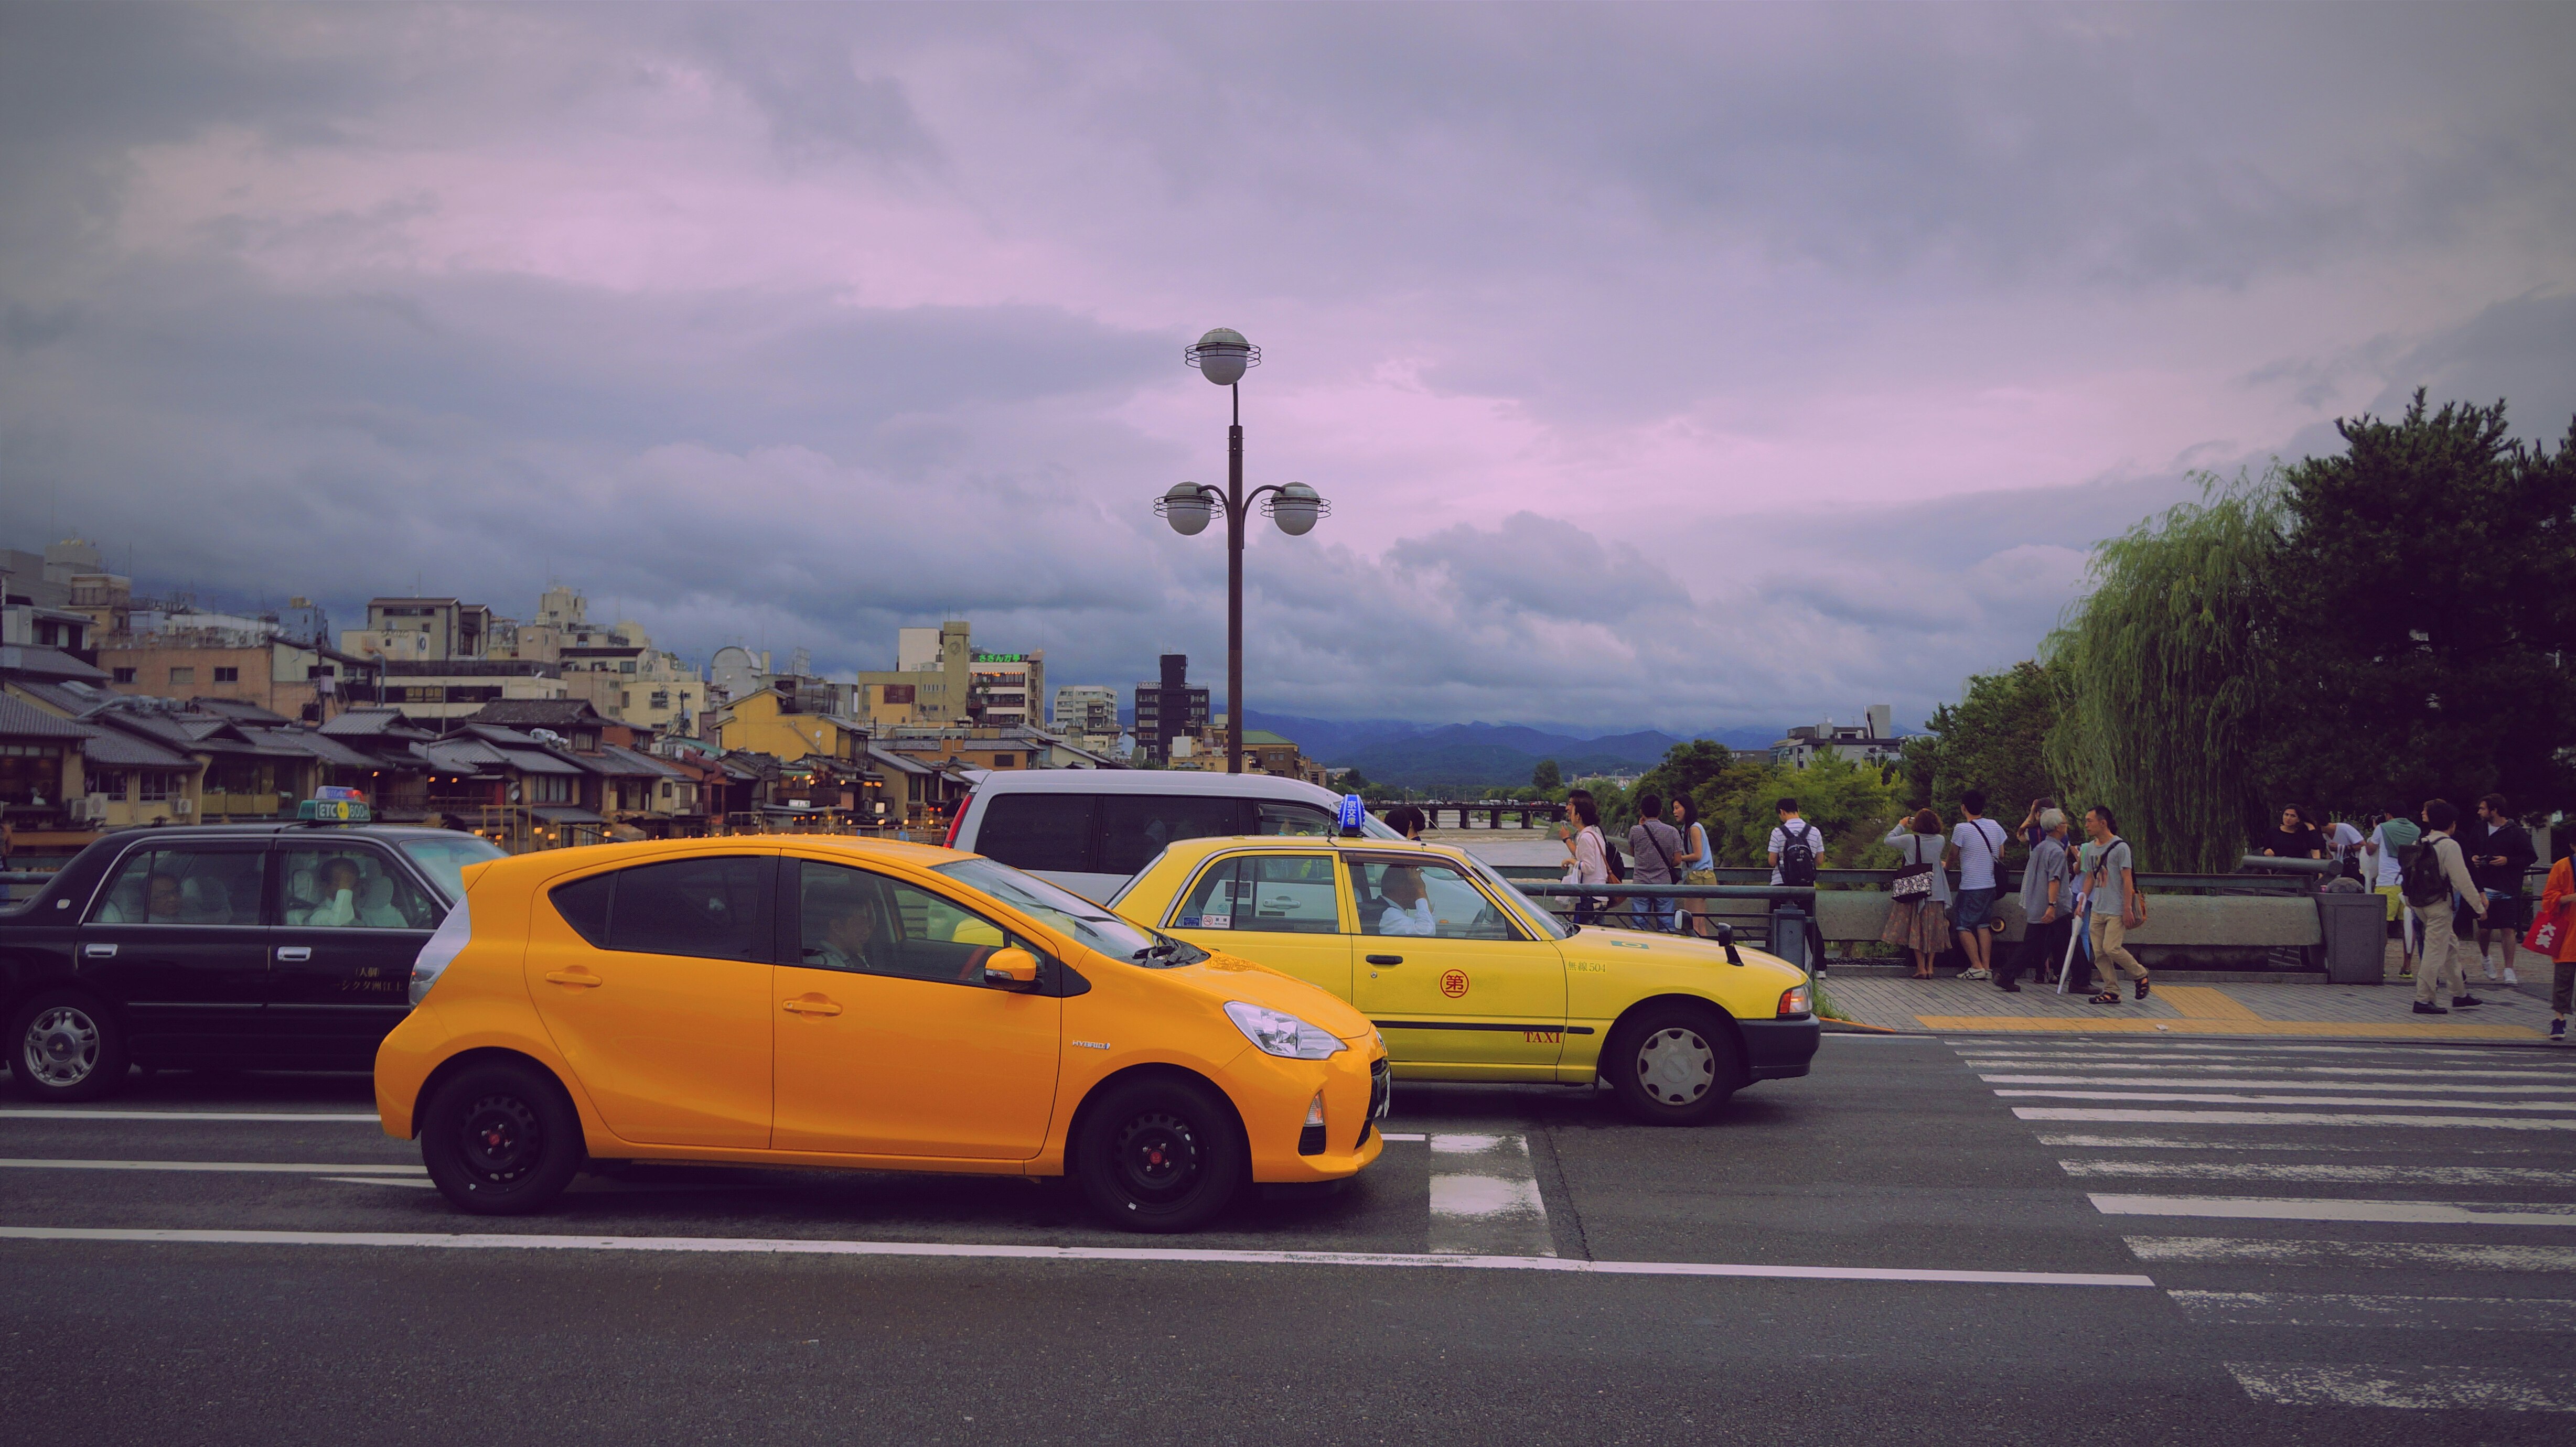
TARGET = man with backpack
(2437,882)
(1796,848)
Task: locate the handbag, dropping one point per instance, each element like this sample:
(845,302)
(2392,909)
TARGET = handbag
(2546,932)
(1914,883)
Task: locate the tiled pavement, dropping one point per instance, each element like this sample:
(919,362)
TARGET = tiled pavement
(2351,1011)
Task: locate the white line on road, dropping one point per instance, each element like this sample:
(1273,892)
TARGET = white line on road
(2168,1082)
(2219,1050)
(1484,1198)
(2280,1117)
(2286,1208)
(2476,1389)
(790,1246)
(2169,1143)
(307,1116)
(383,1181)
(304,1168)
(2222,1098)
(2435,1313)
(2409,1255)
(2566,1078)
(2335,1174)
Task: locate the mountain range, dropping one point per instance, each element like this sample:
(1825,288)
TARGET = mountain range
(1478,755)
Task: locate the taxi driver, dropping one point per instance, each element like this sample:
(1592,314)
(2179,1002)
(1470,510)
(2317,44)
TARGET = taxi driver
(1408,907)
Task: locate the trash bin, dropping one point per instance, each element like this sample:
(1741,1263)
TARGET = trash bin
(2354,930)
(1789,934)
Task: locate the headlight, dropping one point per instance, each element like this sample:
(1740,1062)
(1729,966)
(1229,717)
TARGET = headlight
(1279,1033)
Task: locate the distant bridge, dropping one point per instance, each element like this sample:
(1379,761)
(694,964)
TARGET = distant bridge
(1524,813)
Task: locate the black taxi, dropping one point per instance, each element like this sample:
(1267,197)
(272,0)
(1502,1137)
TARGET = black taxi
(256,946)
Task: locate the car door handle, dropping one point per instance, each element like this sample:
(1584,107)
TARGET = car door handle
(811,1007)
(295,954)
(575,977)
(1386,959)
(99,952)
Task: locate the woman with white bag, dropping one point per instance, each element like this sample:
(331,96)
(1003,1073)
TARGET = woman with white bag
(1918,917)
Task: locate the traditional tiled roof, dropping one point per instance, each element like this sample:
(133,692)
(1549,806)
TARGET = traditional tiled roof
(31,662)
(22,720)
(117,749)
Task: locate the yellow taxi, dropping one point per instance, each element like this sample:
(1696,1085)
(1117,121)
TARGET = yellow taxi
(813,1001)
(1468,980)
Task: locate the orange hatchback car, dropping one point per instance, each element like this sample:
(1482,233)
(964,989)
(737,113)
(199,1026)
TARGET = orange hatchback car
(827,1002)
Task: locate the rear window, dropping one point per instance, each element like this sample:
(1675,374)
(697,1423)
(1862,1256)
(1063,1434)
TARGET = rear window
(714,908)
(1040,831)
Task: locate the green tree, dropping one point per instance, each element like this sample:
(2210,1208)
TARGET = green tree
(2163,671)
(1853,804)
(1994,738)
(1688,769)
(2424,617)
(1547,776)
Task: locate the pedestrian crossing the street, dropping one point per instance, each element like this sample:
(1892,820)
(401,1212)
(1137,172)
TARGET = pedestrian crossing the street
(2255,1174)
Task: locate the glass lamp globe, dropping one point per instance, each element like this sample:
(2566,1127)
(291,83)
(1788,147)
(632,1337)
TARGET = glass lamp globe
(1186,509)
(1294,508)
(1222,356)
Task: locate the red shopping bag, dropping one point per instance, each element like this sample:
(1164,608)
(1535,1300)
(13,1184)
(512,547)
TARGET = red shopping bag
(2546,932)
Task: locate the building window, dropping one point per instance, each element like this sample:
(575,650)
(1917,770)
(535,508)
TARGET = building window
(431,694)
(183,675)
(549,789)
(110,782)
(227,675)
(624,698)
(666,788)
(626,667)
(662,700)
(1006,761)
(160,786)
(125,675)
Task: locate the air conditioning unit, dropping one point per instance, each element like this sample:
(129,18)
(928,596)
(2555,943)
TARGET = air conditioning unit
(90,809)
(182,808)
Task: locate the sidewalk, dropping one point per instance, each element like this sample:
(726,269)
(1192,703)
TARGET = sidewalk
(2382,1012)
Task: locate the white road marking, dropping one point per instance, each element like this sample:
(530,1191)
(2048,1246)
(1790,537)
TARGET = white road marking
(2410,1255)
(1484,1198)
(2340,1175)
(2475,1389)
(2168,1083)
(2228,1098)
(382,1181)
(304,1168)
(2022,1049)
(2432,1313)
(789,1246)
(2280,1117)
(38,1113)
(2169,1143)
(1393,1136)
(2566,1078)
(2291,1208)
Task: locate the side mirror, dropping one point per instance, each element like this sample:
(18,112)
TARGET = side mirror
(1726,937)
(1012,969)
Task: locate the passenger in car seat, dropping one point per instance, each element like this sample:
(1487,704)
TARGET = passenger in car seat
(1408,907)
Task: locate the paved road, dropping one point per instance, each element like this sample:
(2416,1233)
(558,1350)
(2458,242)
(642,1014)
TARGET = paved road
(2052,1239)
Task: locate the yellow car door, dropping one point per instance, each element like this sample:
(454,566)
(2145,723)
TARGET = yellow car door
(889,1042)
(1280,910)
(1449,976)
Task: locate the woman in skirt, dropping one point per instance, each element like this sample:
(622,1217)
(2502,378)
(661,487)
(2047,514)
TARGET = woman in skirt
(1920,925)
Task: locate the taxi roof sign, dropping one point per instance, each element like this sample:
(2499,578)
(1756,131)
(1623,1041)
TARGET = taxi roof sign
(333,811)
(339,791)
(1352,815)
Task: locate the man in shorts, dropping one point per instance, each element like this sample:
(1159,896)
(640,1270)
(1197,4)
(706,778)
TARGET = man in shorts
(1978,844)
(2385,852)
(2500,854)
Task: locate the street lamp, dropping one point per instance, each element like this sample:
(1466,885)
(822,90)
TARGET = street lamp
(1222,356)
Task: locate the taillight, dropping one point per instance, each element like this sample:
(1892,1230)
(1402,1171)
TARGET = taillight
(1796,1000)
(454,933)
(954,821)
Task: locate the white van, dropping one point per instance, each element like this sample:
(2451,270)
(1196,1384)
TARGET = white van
(1091,830)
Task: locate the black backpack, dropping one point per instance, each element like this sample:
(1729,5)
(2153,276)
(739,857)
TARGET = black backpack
(2420,877)
(1797,856)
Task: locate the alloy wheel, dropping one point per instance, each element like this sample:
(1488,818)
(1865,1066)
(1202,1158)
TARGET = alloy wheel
(62,1046)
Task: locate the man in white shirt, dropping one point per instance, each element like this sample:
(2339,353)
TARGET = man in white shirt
(2385,852)
(1794,836)
(2441,925)
(1978,844)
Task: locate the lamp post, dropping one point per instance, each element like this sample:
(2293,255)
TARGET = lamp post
(1222,356)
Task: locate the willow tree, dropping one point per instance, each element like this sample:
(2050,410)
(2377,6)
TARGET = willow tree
(2160,675)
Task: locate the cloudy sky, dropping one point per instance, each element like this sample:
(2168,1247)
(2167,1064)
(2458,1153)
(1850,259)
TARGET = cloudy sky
(1677,367)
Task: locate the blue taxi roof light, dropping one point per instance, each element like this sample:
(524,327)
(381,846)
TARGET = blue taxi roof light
(1353,815)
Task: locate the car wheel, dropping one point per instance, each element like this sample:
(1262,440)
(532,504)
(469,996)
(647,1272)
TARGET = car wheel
(1673,1065)
(64,1045)
(1159,1155)
(501,1139)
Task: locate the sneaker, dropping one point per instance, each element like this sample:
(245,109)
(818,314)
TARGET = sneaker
(1976,974)
(2557,1029)
(2509,976)
(1820,969)
(2462,1002)
(2427,1007)
(2141,988)
(2008,987)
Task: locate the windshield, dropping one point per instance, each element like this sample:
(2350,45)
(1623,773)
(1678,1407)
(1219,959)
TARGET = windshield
(1537,913)
(1076,916)
(444,860)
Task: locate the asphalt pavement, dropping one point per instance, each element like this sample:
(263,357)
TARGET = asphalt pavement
(1934,1239)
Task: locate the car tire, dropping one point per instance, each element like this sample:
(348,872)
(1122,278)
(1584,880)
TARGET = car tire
(501,1139)
(1160,1155)
(1673,1064)
(64,1045)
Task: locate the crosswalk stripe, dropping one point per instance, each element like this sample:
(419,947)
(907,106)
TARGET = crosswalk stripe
(2328,1309)
(2290,1208)
(2109,1116)
(2221,1083)
(1484,1198)
(2169,1143)
(2323,1174)
(2479,1389)
(2237,1098)
(2410,1255)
